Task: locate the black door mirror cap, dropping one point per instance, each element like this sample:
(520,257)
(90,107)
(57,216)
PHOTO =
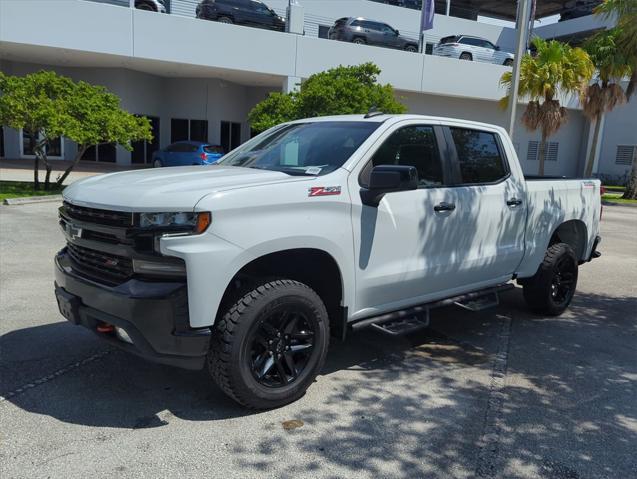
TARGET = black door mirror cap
(388,179)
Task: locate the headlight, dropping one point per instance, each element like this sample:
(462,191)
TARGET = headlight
(192,222)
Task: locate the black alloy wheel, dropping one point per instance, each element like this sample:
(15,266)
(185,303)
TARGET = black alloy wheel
(281,346)
(552,288)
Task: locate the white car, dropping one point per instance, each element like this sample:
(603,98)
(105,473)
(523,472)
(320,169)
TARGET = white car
(466,47)
(316,228)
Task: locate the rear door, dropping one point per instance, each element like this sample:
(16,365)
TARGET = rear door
(490,208)
(373,32)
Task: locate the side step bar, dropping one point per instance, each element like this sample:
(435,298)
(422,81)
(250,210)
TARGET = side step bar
(413,319)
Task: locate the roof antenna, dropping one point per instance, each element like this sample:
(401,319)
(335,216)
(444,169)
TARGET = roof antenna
(373,111)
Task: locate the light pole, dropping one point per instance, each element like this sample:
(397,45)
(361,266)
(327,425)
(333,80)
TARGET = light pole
(522,29)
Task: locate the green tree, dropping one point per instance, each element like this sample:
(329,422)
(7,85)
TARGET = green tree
(556,67)
(31,103)
(625,11)
(605,93)
(46,105)
(338,91)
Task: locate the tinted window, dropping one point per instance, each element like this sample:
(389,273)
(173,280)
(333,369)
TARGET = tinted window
(452,39)
(213,149)
(479,156)
(471,41)
(411,146)
(355,23)
(314,148)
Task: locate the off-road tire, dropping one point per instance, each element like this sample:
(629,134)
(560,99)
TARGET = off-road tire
(538,290)
(228,358)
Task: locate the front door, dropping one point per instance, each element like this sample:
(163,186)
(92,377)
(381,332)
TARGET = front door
(404,246)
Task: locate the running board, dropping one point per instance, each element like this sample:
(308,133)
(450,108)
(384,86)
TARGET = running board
(413,319)
(487,301)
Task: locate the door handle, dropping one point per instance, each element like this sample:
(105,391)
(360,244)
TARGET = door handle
(444,207)
(514,202)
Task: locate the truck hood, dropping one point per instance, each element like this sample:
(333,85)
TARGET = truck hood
(170,189)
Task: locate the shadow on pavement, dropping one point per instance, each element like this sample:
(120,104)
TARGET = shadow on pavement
(405,407)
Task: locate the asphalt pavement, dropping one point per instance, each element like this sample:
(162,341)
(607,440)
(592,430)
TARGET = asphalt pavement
(499,393)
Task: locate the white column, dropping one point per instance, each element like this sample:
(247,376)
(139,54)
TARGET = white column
(522,28)
(448,7)
(291,84)
(131,3)
(295,21)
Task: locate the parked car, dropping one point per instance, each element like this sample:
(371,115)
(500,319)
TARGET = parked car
(364,31)
(314,228)
(151,5)
(242,12)
(579,8)
(182,153)
(466,47)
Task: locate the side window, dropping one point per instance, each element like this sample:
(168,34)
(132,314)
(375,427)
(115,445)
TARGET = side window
(356,23)
(410,146)
(479,157)
(470,41)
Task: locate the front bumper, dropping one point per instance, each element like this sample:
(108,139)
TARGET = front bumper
(154,315)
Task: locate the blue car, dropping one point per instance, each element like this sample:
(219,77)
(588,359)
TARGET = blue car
(184,153)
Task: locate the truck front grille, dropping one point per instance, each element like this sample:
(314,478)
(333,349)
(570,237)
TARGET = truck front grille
(97,216)
(100,265)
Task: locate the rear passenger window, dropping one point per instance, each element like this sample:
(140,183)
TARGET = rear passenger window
(410,146)
(479,157)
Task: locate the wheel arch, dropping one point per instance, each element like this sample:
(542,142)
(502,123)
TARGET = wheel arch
(314,267)
(575,234)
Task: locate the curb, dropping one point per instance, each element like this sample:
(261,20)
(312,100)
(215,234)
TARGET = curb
(32,199)
(610,203)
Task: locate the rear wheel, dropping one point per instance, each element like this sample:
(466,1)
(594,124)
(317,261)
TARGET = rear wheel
(552,288)
(411,48)
(225,20)
(269,345)
(359,41)
(157,164)
(466,56)
(508,62)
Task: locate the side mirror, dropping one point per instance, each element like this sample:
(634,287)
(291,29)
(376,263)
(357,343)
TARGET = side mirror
(497,48)
(388,179)
(397,32)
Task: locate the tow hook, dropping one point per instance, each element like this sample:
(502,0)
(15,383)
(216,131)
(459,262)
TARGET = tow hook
(105,328)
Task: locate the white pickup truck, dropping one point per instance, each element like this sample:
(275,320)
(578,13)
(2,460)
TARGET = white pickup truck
(313,229)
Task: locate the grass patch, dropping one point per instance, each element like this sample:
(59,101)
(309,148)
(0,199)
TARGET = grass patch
(617,189)
(22,189)
(617,198)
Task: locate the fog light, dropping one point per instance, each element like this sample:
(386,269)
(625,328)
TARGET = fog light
(169,268)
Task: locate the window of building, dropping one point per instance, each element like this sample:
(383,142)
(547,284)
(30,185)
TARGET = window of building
(552,149)
(626,154)
(143,150)
(54,149)
(323,31)
(230,135)
(178,130)
(199,130)
(410,146)
(184,130)
(105,153)
(479,157)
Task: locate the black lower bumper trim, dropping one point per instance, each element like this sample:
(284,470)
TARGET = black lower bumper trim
(153,316)
(594,253)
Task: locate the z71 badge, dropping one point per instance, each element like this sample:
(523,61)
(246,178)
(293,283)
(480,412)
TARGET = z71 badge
(324,190)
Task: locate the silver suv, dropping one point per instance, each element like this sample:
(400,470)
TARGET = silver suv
(365,31)
(466,47)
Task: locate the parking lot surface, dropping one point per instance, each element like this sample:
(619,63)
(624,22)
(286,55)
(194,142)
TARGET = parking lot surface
(500,393)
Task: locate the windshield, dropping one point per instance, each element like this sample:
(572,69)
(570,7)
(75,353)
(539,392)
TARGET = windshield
(304,148)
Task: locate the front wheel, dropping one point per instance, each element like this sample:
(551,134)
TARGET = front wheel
(157,164)
(269,345)
(466,56)
(359,41)
(411,48)
(551,289)
(508,62)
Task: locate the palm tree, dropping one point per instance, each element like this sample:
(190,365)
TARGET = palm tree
(556,67)
(605,93)
(626,13)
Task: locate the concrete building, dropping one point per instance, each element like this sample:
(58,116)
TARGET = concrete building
(198,79)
